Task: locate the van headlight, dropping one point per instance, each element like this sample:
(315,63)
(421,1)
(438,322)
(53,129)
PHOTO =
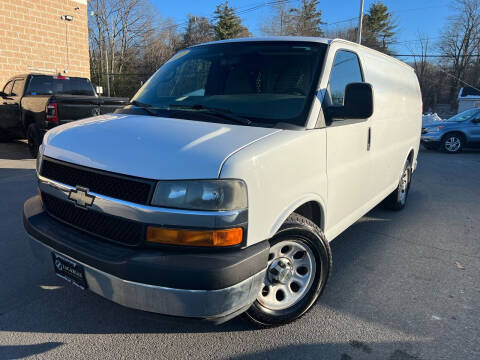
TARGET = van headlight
(207,195)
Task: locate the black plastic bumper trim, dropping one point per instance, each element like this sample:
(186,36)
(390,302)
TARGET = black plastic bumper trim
(178,269)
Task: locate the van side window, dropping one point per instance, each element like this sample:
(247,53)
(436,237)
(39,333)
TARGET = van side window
(345,70)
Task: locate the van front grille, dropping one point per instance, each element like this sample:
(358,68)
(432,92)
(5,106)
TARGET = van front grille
(128,188)
(108,227)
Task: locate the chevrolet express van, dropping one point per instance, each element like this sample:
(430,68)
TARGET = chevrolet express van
(217,191)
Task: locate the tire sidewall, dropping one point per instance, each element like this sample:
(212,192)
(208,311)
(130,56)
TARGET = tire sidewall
(316,242)
(32,140)
(407,167)
(448,136)
(393,201)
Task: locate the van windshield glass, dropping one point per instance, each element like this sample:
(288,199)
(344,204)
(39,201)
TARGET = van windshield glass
(59,85)
(264,82)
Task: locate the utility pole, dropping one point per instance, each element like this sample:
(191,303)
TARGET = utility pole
(106,69)
(360,23)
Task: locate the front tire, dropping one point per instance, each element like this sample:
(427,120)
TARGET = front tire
(32,140)
(452,143)
(299,266)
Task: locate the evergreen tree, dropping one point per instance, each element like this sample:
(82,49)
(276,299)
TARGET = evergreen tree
(306,20)
(199,30)
(227,23)
(378,28)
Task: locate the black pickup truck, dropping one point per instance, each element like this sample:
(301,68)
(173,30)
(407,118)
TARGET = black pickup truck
(32,104)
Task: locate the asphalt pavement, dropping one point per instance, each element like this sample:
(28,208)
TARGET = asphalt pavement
(405,286)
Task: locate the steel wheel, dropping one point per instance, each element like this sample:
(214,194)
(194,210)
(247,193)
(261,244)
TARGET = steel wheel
(452,143)
(290,274)
(298,268)
(398,198)
(404,184)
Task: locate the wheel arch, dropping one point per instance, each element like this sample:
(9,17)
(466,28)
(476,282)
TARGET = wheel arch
(411,155)
(459,132)
(310,206)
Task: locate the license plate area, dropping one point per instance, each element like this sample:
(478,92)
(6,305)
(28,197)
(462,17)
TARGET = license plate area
(69,270)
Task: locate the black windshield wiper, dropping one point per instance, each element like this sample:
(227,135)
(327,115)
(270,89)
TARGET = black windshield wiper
(146,107)
(223,113)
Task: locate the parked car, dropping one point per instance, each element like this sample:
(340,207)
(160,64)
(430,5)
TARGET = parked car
(32,104)
(452,135)
(218,190)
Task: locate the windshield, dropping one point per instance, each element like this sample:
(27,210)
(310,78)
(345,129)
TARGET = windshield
(59,85)
(264,82)
(466,115)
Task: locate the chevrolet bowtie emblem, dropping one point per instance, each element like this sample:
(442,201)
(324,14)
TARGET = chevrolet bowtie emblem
(81,197)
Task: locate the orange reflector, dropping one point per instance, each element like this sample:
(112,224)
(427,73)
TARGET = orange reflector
(227,237)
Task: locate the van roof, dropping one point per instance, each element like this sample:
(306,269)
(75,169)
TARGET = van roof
(273,38)
(309,39)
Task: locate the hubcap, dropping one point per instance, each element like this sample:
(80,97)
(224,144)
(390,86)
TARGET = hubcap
(290,274)
(280,271)
(452,144)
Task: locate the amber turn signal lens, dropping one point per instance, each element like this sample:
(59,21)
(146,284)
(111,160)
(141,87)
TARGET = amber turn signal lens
(212,238)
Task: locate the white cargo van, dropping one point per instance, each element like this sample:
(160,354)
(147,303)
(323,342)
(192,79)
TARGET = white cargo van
(218,189)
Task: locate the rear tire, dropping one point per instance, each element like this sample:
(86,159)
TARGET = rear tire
(398,198)
(299,266)
(32,140)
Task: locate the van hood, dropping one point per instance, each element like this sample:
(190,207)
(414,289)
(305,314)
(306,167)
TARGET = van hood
(441,123)
(150,147)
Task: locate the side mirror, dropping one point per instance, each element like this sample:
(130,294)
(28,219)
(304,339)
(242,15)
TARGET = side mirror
(476,121)
(357,104)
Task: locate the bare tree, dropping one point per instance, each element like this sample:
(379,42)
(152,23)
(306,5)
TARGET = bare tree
(115,30)
(280,23)
(158,46)
(427,72)
(198,30)
(347,33)
(461,41)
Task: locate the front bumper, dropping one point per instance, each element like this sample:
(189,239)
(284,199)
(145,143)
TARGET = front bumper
(207,285)
(431,137)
